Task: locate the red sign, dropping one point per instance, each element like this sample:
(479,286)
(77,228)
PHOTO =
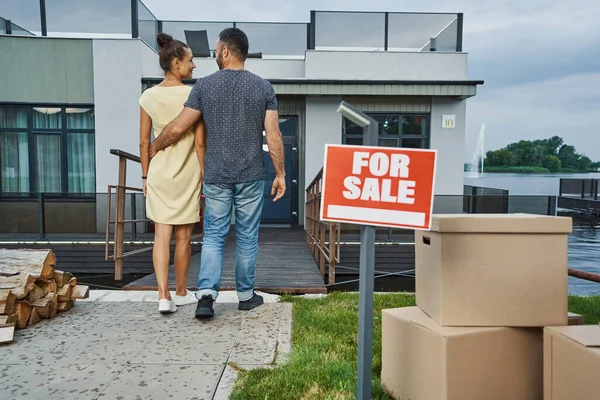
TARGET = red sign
(381,186)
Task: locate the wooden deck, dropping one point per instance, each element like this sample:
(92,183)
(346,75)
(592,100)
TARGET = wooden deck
(588,205)
(284,265)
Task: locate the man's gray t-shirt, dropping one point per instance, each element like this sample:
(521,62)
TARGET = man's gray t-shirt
(233,104)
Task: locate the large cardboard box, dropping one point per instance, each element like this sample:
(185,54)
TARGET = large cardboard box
(576,319)
(493,270)
(422,360)
(572,362)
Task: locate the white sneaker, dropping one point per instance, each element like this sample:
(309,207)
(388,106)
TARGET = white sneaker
(166,306)
(189,298)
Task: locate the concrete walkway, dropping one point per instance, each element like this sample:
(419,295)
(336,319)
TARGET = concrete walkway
(125,349)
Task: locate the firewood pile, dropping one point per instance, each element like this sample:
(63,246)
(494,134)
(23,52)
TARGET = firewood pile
(31,289)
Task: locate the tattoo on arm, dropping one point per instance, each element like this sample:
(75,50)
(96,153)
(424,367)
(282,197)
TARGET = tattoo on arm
(200,145)
(175,129)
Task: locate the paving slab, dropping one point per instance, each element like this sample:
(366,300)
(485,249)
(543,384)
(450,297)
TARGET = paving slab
(163,381)
(48,381)
(150,296)
(127,350)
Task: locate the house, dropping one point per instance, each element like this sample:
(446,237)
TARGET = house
(69,86)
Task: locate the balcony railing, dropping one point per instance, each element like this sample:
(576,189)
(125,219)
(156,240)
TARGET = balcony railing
(326,30)
(7,27)
(386,31)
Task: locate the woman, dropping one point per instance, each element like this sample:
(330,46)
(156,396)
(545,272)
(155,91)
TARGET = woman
(172,181)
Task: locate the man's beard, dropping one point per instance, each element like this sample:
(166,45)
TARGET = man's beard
(219,61)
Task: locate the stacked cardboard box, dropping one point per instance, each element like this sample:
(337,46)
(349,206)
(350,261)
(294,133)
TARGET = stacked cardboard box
(486,286)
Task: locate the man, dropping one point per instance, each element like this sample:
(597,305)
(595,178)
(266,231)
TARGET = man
(236,106)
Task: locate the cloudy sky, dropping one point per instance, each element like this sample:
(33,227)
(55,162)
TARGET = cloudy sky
(540,59)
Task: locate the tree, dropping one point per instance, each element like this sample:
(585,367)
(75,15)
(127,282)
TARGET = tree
(554,144)
(500,158)
(584,164)
(568,156)
(552,163)
(552,154)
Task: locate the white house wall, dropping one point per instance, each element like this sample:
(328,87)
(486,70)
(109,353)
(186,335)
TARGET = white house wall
(118,68)
(323,125)
(435,66)
(266,68)
(450,144)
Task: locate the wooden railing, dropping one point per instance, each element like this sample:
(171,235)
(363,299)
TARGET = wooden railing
(317,231)
(120,221)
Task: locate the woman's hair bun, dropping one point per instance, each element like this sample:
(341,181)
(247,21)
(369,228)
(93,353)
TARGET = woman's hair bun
(163,39)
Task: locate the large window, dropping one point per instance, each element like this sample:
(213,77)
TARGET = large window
(395,130)
(47,149)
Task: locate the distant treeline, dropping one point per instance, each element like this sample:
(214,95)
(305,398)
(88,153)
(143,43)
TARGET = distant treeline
(538,156)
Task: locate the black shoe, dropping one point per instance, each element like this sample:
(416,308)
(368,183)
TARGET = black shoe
(205,307)
(254,302)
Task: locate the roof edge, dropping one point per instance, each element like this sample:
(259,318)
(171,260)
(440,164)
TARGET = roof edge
(351,81)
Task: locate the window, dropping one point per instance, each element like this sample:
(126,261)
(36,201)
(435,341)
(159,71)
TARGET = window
(47,149)
(395,130)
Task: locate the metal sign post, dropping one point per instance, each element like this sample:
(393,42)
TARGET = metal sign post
(367,268)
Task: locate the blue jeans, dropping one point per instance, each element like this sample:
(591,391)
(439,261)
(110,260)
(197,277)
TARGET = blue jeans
(219,199)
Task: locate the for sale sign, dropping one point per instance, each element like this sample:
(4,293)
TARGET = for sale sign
(381,186)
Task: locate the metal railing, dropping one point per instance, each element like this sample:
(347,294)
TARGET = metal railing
(324,239)
(337,30)
(317,231)
(583,188)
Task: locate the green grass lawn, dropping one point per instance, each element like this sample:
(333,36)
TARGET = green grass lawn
(323,361)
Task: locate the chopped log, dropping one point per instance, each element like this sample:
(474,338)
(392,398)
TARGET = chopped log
(7,333)
(8,319)
(34,318)
(54,306)
(64,293)
(7,301)
(66,306)
(48,286)
(80,292)
(35,294)
(39,263)
(44,305)
(19,285)
(73,281)
(62,278)
(23,313)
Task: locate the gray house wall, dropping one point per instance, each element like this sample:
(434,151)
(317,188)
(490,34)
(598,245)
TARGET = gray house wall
(46,70)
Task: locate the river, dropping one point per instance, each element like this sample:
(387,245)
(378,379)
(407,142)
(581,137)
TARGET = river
(584,242)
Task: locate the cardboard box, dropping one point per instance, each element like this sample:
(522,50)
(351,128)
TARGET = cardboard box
(493,270)
(572,362)
(422,360)
(575,319)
